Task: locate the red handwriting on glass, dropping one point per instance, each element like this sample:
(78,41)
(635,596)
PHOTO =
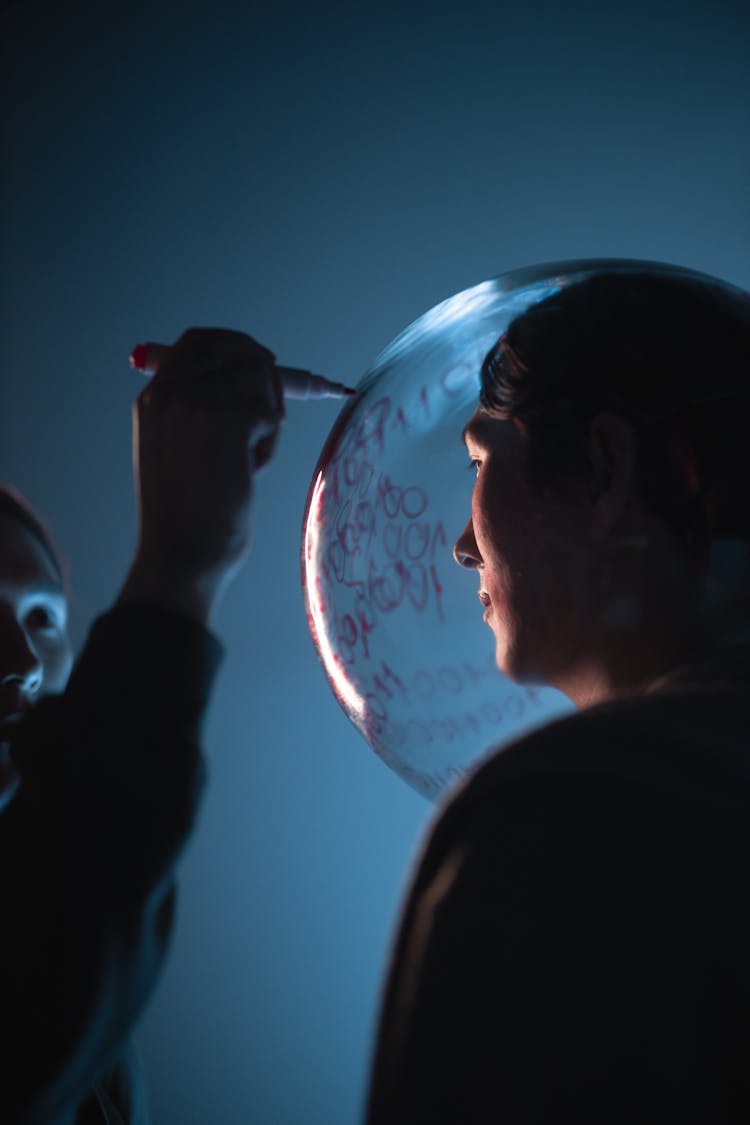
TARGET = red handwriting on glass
(381,543)
(388,699)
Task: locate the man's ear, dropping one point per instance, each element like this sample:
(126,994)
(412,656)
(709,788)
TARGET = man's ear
(613,455)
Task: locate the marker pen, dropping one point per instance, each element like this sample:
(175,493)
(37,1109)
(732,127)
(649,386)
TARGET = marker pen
(296,383)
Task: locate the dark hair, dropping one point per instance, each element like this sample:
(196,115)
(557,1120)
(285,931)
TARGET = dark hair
(13,504)
(669,352)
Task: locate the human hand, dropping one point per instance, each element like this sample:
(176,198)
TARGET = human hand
(205,423)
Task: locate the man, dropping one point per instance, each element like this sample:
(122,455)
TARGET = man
(575,943)
(100,783)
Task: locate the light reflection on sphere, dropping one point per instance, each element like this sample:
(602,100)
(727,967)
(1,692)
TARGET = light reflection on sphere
(395,621)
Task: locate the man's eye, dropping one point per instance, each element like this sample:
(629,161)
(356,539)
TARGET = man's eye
(473,465)
(41,618)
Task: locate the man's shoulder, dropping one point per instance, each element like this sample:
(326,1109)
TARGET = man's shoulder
(680,757)
(647,736)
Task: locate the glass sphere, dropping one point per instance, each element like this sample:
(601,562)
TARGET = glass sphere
(395,621)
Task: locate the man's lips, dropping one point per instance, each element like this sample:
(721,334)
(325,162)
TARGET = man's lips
(486,601)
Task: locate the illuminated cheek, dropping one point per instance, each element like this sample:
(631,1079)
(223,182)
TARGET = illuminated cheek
(505,538)
(490,519)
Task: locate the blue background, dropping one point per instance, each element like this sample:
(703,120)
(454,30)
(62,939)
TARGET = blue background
(318,175)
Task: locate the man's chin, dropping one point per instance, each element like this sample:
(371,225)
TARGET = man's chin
(505,656)
(515,664)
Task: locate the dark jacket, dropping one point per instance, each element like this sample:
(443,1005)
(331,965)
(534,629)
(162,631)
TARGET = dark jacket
(110,773)
(576,942)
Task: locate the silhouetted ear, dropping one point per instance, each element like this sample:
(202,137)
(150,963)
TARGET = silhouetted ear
(613,454)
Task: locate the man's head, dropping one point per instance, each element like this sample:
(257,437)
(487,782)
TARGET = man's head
(35,653)
(611,449)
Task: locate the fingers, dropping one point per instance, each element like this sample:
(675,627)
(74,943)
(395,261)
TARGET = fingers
(200,351)
(208,349)
(225,375)
(220,408)
(252,412)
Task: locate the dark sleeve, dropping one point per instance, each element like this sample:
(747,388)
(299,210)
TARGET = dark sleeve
(111,772)
(526,960)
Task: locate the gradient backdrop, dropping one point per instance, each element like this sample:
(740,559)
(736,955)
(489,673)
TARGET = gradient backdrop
(318,175)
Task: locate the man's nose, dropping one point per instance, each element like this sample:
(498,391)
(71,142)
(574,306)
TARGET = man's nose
(466,552)
(19,660)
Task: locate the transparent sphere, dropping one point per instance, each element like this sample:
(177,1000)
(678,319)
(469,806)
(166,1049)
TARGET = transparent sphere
(396,622)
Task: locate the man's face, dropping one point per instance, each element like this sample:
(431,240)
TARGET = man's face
(530,556)
(35,652)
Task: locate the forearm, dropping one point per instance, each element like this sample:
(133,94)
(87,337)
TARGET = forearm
(159,584)
(110,777)
(116,759)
